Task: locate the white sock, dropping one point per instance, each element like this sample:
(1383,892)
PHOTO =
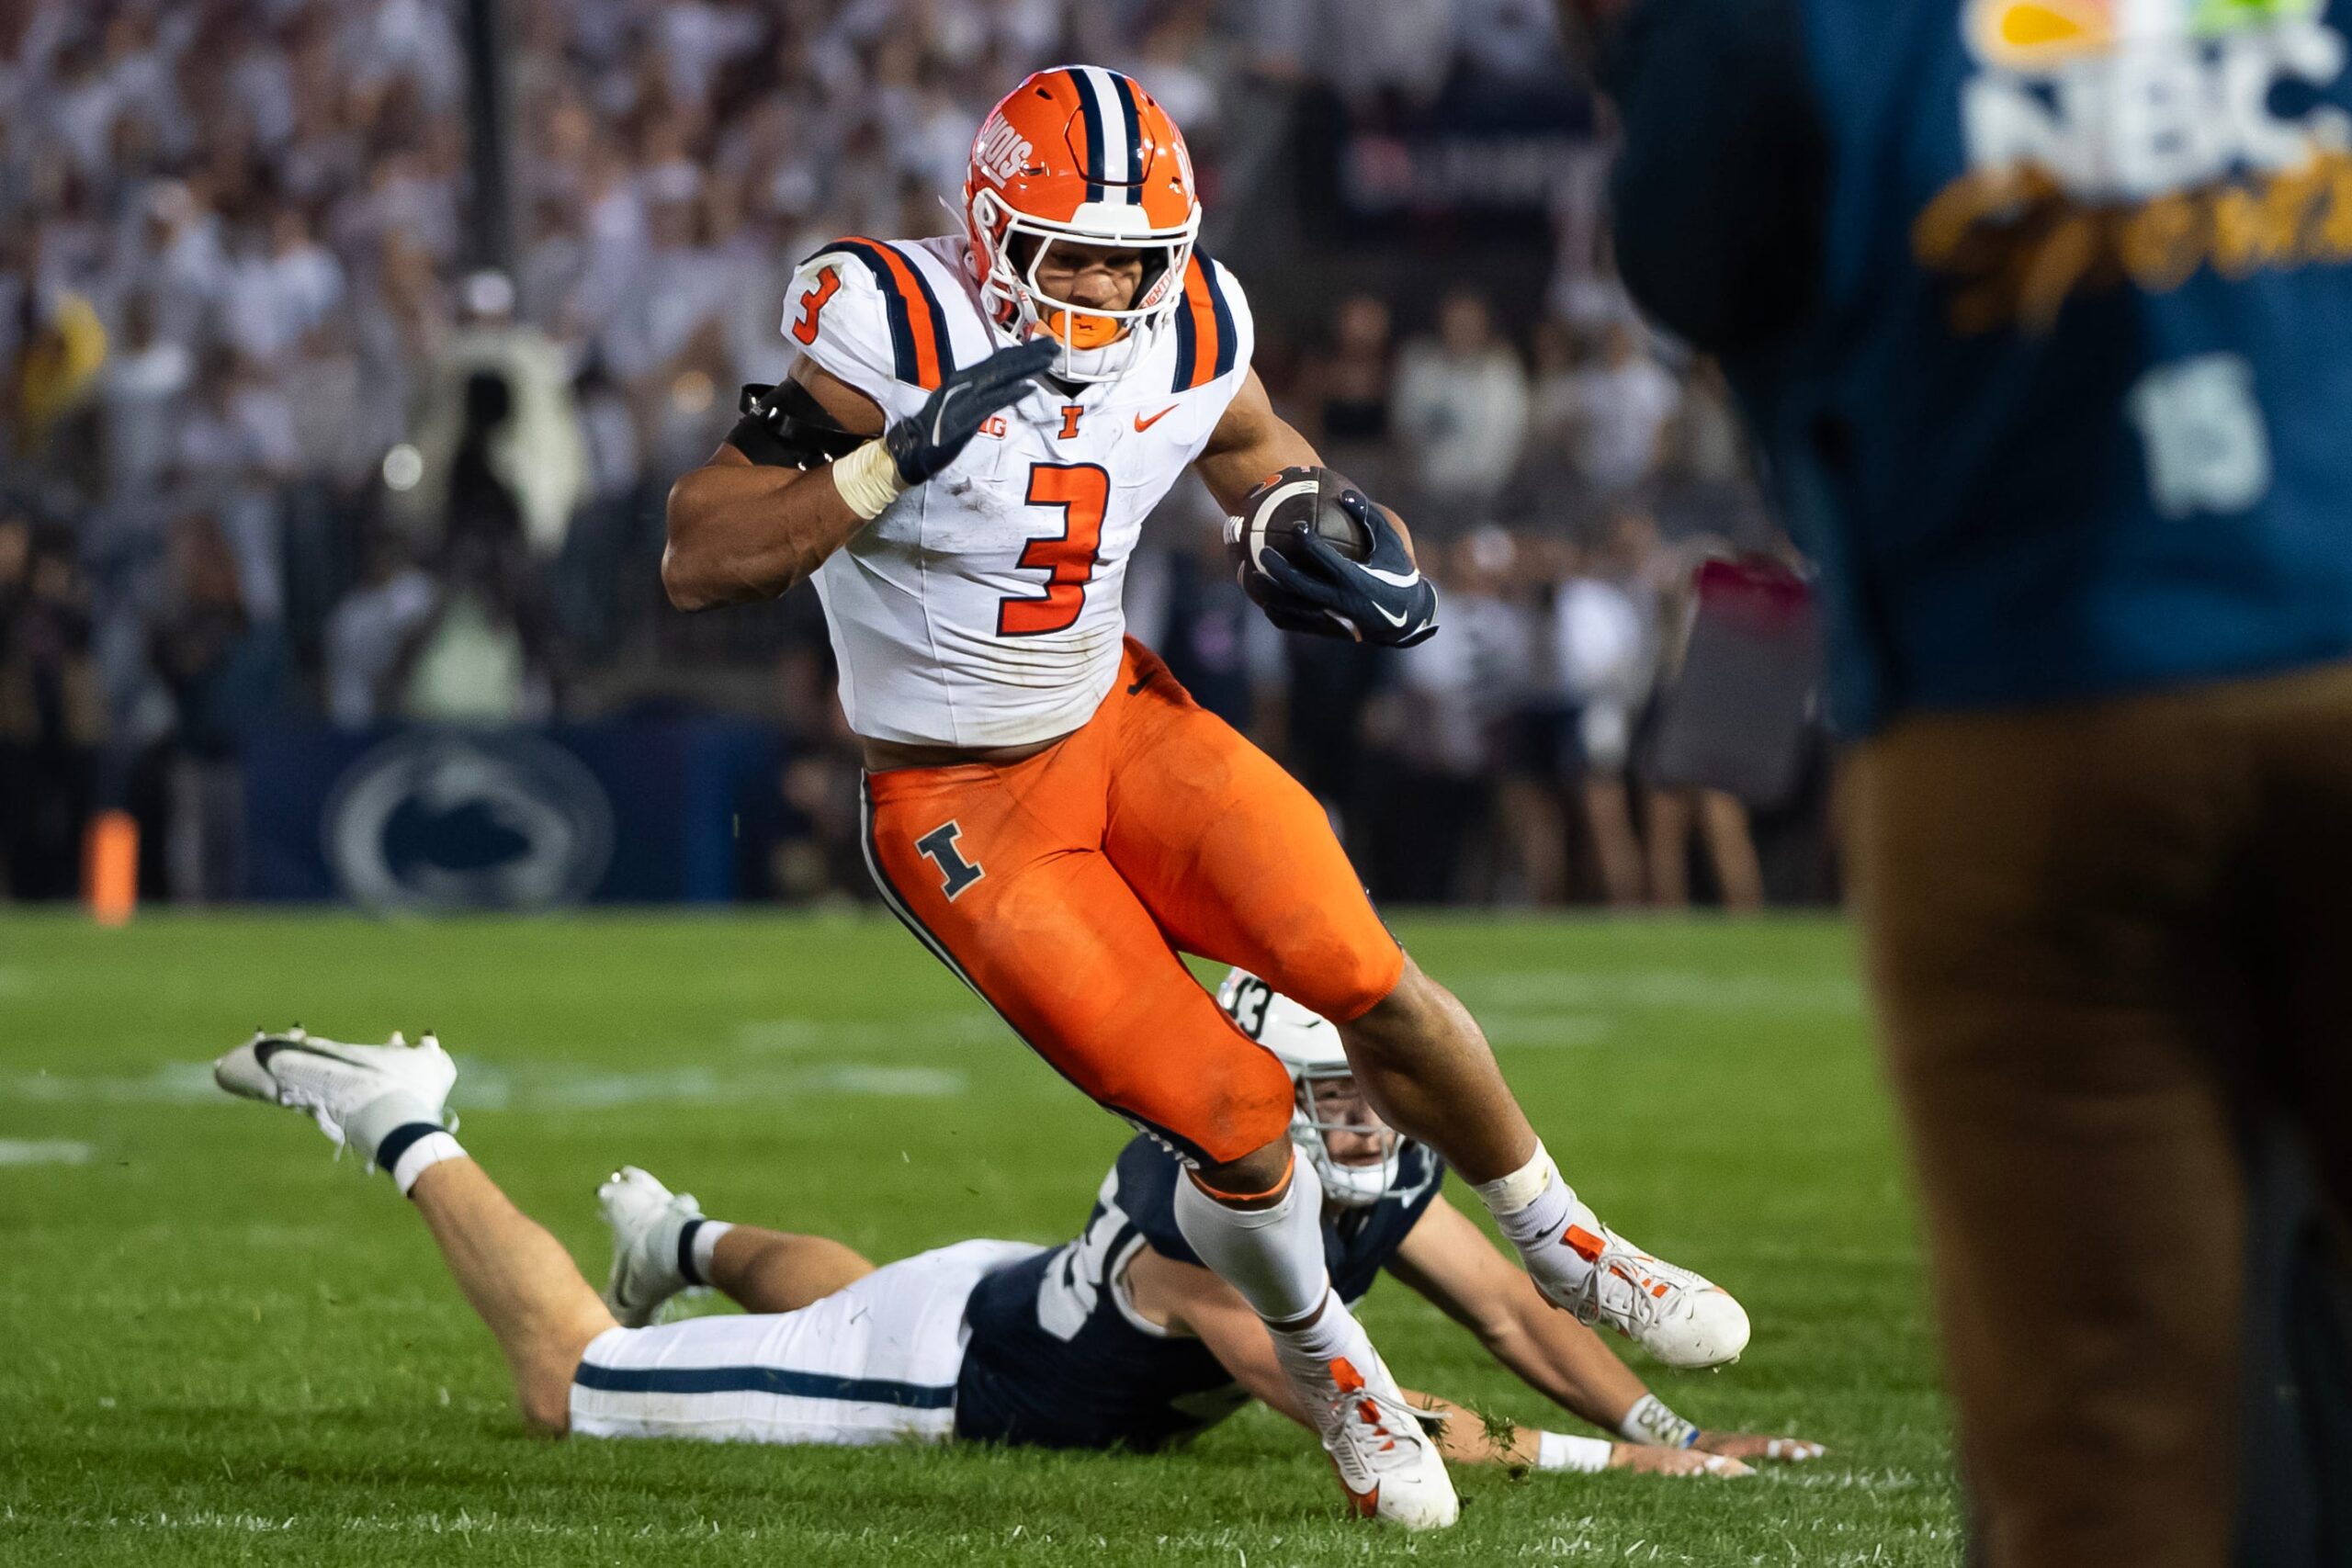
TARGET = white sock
(375,1122)
(699,1241)
(1272,1256)
(1535,1208)
(1307,1352)
(408,1152)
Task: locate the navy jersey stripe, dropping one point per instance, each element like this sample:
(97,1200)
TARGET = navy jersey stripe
(762,1380)
(1187,348)
(1128,112)
(1188,333)
(1227,349)
(942,344)
(902,332)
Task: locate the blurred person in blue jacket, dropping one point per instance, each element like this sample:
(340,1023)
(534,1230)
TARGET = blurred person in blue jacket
(2040,314)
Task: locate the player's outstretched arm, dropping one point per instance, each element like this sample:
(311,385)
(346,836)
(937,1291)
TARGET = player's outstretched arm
(1470,1437)
(1447,1259)
(749,524)
(1191,1300)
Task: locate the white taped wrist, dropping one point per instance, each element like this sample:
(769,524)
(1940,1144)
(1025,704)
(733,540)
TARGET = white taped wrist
(1649,1421)
(868,480)
(1558,1450)
(1508,1194)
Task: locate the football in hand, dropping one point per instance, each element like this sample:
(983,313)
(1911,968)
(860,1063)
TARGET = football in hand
(1284,509)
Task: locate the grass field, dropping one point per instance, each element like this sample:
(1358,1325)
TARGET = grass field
(224,1347)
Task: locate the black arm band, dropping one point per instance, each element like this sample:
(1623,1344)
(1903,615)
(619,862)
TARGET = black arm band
(787,427)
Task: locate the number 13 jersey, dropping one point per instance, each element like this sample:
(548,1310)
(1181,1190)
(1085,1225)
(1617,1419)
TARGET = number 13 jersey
(982,609)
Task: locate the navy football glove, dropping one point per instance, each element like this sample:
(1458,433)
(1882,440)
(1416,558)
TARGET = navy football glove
(923,444)
(1385,600)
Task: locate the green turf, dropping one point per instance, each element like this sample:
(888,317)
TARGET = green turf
(223,1347)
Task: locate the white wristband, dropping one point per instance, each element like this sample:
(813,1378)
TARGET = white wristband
(1649,1421)
(868,480)
(1558,1450)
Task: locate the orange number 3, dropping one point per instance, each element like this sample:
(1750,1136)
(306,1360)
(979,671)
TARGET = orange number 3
(828,282)
(1083,490)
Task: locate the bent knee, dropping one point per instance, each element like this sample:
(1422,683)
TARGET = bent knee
(1412,999)
(1341,979)
(1219,1111)
(546,1406)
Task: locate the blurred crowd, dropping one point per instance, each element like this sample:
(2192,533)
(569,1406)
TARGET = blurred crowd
(281,442)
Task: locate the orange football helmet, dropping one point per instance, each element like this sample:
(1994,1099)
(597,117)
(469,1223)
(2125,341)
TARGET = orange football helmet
(1084,154)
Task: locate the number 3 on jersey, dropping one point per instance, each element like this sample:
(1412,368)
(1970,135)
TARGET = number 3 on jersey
(813,302)
(1083,492)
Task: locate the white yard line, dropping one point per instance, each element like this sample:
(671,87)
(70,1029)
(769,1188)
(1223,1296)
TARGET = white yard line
(44,1151)
(534,1085)
(791,1036)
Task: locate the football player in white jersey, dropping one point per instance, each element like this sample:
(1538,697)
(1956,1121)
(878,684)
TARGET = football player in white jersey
(995,414)
(1119,1340)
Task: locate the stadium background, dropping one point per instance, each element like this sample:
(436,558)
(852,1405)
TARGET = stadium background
(336,447)
(329,510)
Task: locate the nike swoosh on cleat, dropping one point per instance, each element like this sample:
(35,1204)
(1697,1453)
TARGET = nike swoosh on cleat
(1143,425)
(1392,620)
(267,1049)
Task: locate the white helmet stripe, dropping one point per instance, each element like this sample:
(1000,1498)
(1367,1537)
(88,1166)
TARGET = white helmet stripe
(1119,170)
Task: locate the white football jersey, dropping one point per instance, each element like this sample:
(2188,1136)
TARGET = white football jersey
(983,608)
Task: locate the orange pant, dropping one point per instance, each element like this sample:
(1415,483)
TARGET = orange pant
(1061,888)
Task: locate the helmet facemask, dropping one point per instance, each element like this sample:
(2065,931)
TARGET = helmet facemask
(1329,1105)
(1097,344)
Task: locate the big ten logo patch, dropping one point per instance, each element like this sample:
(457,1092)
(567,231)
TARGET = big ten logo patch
(2133,142)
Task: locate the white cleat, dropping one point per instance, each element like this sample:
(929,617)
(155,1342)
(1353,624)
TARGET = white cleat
(1683,1318)
(332,1082)
(1388,1462)
(645,1218)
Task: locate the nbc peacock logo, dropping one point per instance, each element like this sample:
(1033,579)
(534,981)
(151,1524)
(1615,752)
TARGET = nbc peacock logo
(2043,35)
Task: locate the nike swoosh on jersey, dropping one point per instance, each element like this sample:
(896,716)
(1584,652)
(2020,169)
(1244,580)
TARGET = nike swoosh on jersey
(1143,425)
